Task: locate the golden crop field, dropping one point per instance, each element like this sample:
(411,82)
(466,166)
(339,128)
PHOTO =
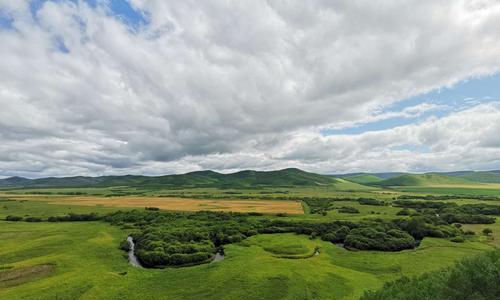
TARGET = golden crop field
(174,204)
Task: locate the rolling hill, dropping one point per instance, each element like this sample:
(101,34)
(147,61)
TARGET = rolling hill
(364,178)
(285,177)
(481,176)
(248,178)
(429,179)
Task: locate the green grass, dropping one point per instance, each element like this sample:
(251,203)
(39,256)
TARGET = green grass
(44,210)
(474,191)
(364,179)
(489,177)
(88,265)
(82,260)
(428,179)
(284,245)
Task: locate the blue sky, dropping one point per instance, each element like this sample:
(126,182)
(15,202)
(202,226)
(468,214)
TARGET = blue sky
(120,9)
(457,97)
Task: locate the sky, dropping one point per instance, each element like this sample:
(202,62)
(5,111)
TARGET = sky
(158,87)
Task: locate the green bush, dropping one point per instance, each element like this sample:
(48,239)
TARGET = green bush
(370,238)
(457,239)
(404,212)
(348,210)
(369,201)
(475,278)
(124,245)
(13,218)
(487,231)
(337,236)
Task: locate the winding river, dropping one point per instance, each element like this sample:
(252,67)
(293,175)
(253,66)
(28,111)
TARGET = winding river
(131,255)
(218,257)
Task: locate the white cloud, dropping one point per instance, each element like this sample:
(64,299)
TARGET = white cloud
(238,84)
(463,140)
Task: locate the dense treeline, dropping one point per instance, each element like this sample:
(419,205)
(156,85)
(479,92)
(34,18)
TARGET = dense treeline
(322,205)
(75,217)
(370,238)
(71,217)
(13,218)
(370,201)
(475,278)
(448,197)
(452,212)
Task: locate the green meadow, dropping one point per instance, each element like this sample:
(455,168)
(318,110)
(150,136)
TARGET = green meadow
(84,262)
(83,259)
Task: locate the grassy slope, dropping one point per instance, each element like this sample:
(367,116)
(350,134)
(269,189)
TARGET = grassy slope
(486,177)
(364,179)
(474,190)
(424,180)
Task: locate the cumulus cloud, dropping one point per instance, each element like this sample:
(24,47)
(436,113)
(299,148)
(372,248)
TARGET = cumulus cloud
(238,84)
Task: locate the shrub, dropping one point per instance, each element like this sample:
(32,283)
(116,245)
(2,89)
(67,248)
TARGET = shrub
(457,239)
(33,219)
(404,212)
(369,201)
(487,231)
(337,236)
(124,245)
(152,208)
(348,210)
(74,217)
(467,219)
(13,218)
(473,278)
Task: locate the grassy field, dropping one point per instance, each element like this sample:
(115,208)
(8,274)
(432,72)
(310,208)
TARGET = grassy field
(82,260)
(486,189)
(173,204)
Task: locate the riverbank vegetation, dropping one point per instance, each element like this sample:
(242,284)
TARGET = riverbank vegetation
(473,278)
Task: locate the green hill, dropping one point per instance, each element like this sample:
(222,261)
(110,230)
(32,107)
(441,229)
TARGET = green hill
(429,179)
(482,176)
(364,178)
(286,177)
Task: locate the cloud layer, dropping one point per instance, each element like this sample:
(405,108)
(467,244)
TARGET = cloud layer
(230,85)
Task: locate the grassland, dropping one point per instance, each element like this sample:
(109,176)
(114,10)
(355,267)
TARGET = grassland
(471,190)
(88,265)
(82,260)
(173,204)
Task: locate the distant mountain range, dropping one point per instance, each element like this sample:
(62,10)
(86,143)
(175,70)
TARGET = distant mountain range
(285,178)
(434,178)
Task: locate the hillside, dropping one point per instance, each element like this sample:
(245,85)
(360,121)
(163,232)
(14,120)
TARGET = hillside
(286,177)
(364,178)
(429,179)
(482,176)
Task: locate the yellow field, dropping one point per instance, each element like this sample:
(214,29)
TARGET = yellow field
(174,204)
